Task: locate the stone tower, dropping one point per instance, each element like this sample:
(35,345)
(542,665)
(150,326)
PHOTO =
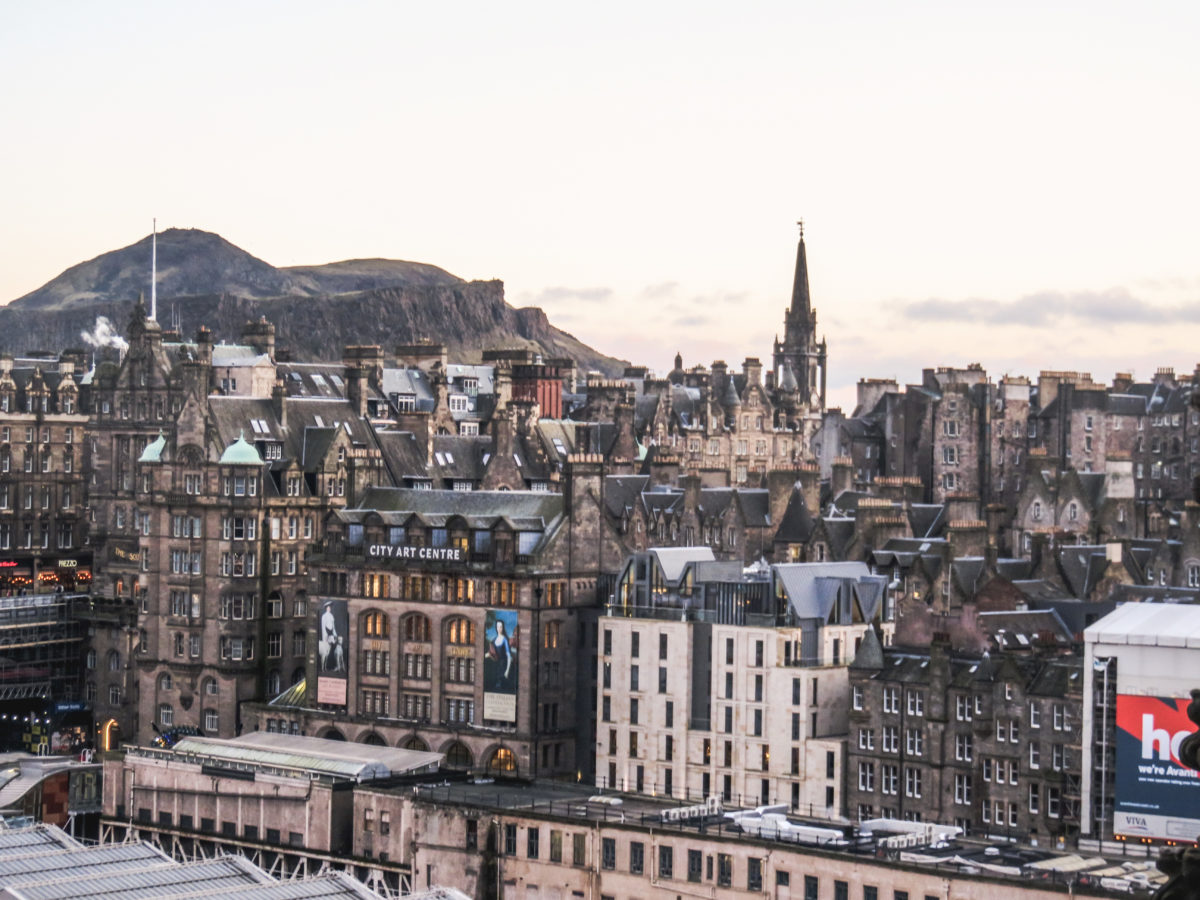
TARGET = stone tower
(799,350)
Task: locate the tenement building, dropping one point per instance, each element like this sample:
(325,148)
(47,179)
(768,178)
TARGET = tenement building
(719,681)
(990,743)
(458,622)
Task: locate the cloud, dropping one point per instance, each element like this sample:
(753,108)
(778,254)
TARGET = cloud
(692,321)
(1108,307)
(555,295)
(659,291)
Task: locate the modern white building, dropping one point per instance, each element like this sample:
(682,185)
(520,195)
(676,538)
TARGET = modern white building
(714,680)
(1141,663)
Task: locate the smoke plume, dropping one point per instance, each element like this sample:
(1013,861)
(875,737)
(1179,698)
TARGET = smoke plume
(104,335)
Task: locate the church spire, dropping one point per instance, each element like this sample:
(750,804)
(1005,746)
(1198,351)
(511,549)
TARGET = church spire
(801,302)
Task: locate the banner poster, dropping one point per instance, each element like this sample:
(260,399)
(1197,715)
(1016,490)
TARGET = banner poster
(500,665)
(333,633)
(1156,796)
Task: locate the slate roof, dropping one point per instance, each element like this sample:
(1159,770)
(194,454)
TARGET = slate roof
(797,524)
(1023,629)
(814,589)
(673,560)
(531,510)
(1082,568)
(1126,405)
(408,382)
(927,519)
(323,381)
(459,457)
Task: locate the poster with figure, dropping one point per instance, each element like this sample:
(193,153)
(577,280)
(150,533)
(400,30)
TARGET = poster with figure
(333,632)
(500,665)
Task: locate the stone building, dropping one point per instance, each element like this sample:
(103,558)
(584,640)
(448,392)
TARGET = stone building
(460,622)
(714,681)
(991,743)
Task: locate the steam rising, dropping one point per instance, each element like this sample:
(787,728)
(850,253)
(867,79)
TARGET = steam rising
(104,335)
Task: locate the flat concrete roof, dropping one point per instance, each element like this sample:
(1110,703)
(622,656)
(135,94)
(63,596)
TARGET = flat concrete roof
(1148,624)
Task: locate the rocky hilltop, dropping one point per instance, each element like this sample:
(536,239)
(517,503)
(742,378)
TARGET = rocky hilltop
(317,310)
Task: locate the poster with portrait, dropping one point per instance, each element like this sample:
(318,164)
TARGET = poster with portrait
(333,652)
(500,665)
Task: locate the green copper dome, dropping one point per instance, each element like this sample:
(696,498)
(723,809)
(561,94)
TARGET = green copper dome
(241,453)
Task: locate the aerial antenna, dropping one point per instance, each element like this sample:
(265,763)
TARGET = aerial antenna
(154,273)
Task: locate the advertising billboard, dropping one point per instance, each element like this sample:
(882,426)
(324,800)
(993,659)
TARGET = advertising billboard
(1156,795)
(500,665)
(333,634)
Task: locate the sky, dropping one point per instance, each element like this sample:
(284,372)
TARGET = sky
(1012,184)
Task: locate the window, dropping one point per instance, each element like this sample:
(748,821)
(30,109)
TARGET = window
(962,709)
(866,776)
(666,861)
(914,741)
(891,739)
(637,857)
(889,778)
(695,865)
(891,700)
(912,782)
(754,874)
(531,843)
(916,703)
(579,849)
(856,694)
(724,870)
(963,747)
(962,790)
(608,853)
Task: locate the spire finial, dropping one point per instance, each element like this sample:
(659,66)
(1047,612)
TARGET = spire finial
(800,223)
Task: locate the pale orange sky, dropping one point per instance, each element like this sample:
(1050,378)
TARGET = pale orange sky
(1011,184)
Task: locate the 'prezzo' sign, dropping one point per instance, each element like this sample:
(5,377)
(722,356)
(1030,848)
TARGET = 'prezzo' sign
(397,551)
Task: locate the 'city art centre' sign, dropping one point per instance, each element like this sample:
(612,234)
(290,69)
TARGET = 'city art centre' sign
(429,554)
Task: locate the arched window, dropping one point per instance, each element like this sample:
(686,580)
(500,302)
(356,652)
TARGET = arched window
(458,756)
(164,682)
(416,628)
(503,762)
(460,631)
(375,624)
(114,661)
(274,682)
(415,743)
(374,740)
(91,659)
(1073,512)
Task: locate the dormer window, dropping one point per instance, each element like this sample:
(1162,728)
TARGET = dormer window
(458,403)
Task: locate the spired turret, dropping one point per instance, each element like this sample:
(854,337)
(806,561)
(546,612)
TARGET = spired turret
(799,350)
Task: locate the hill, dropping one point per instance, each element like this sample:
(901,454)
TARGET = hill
(203,279)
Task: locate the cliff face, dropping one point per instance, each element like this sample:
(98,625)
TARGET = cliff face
(317,310)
